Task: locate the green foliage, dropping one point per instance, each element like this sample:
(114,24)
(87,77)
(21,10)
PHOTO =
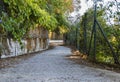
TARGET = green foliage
(103,52)
(58,8)
(77,38)
(21,15)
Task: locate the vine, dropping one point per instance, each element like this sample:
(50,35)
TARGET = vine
(22,15)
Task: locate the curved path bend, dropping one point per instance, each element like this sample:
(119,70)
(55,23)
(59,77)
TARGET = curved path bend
(53,66)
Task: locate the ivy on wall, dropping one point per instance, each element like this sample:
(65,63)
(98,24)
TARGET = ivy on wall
(21,15)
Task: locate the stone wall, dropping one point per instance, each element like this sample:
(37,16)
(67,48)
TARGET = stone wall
(35,40)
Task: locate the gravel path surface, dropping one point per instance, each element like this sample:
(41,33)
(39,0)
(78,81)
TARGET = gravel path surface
(53,66)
